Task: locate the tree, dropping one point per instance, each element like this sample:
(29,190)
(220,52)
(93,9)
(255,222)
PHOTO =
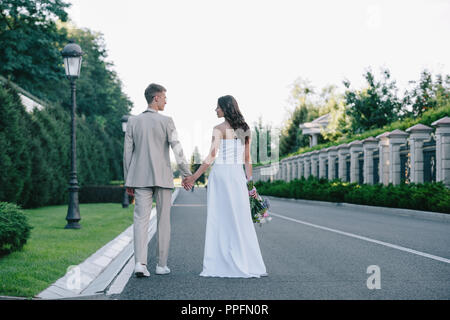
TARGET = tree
(292,139)
(426,94)
(332,103)
(15,157)
(301,97)
(196,161)
(99,93)
(374,106)
(35,146)
(31,44)
(175,170)
(301,92)
(33,33)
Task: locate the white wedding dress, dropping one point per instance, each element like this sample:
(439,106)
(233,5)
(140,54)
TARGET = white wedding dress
(231,246)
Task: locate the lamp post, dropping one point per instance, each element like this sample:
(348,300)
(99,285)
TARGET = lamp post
(72,55)
(125,201)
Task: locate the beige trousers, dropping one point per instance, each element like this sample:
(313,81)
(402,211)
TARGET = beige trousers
(142,210)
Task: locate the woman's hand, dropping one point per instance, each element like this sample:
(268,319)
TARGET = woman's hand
(252,193)
(189,180)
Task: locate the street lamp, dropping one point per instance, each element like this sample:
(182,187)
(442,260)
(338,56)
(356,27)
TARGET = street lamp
(126,201)
(72,55)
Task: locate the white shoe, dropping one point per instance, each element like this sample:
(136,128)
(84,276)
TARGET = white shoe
(141,271)
(265,274)
(162,270)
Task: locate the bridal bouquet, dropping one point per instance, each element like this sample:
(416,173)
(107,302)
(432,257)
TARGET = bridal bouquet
(259,207)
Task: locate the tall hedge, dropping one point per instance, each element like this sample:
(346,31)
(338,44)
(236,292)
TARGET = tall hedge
(15,160)
(35,153)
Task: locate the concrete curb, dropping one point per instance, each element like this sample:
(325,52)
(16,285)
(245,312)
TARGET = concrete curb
(428,215)
(97,272)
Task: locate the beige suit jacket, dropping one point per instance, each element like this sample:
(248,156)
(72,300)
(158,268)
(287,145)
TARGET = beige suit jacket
(146,158)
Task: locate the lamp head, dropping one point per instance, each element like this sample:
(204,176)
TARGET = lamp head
(72,55)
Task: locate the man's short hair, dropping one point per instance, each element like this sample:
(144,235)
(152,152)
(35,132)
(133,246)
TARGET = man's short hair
(152,90)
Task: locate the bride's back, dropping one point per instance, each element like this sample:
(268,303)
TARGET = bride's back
(226,130)
(231,149)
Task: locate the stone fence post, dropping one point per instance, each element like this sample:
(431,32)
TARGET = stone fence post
(369,146)
(323,155)
(287,176)
(343,151)
(396,139)
(307,161)
(383,164)
(355,149)
(443,150)
(418,134)
(314,160)
(332,157)
(283,170)
(301,167)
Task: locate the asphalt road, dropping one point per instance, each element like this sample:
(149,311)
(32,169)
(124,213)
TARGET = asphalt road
(311,252)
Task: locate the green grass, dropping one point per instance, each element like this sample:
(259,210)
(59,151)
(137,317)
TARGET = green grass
(51,248)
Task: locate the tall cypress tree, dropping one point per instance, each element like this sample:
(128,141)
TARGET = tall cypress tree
(15,170)
(196,162)
(289,141)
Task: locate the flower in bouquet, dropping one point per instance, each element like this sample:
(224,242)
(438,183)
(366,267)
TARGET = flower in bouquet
(259,206)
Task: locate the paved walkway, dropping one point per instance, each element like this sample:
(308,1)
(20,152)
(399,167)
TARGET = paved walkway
(185,261)
(311,252)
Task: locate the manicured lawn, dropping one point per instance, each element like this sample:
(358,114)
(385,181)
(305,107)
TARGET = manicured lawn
(51,248)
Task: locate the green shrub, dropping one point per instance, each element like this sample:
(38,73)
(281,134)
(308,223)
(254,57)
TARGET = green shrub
(426,196)
(14,228)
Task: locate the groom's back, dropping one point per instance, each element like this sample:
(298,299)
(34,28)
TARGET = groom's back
(151,127)
(150,159)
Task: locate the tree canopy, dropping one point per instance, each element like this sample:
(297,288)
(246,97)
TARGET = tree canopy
(34,146)
(33,34)
(374,106)
(31,44)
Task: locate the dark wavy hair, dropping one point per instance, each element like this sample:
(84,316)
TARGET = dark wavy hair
(233,115)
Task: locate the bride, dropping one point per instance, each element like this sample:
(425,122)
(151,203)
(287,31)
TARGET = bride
(231,245)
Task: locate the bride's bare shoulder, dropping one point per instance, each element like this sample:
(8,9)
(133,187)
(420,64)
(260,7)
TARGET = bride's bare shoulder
(222,126)
(218,130)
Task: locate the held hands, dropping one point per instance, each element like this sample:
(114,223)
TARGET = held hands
(188,182)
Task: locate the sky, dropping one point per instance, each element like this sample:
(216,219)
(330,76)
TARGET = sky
(200,50)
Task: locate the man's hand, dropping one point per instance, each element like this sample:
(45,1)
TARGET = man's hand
(186,186)
(188,182)
(130,191)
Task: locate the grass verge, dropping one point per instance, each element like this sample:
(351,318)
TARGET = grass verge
(51,249)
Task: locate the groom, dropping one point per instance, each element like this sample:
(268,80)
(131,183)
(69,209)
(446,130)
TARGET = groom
(148,173)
